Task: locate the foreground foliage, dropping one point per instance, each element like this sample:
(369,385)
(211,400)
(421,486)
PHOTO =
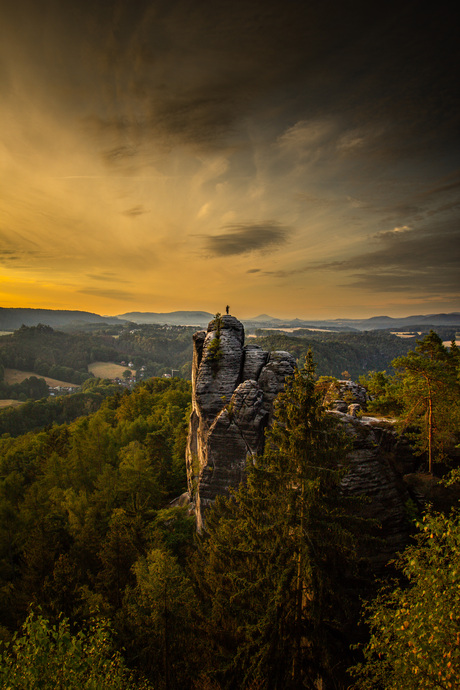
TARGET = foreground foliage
(415,624)
(52,657)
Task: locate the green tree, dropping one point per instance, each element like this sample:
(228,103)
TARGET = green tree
(160,613)
(415,624)
(52,657)
(276,560)
(430,395)
(138,483)
(119,551)
(383,391)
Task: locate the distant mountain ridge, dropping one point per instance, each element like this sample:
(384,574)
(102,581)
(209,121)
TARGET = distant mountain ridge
(13,318)
(370,324)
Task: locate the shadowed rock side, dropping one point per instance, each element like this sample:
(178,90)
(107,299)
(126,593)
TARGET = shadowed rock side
(232,402)
(378,460)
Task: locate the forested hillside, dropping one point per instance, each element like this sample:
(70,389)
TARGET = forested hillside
(105,584)
(163,349)
(81,503)
(52,353)
(356,353)
(45,411)
(66,356)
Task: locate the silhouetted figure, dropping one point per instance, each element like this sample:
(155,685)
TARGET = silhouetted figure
(227,309)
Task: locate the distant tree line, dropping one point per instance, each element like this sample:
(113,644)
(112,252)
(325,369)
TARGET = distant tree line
(41,411)
(31,388)
(66,356)
(357,353)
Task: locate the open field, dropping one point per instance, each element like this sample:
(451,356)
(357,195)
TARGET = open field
(108,370)
(16,376)
(5,333)
(9,403)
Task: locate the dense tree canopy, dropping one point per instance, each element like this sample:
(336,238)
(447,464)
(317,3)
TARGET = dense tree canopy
(356,353)
(90,543)
(275,556)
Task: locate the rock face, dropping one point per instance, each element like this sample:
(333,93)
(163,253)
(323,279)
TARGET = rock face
(378,459)
(343,393)
(234,387)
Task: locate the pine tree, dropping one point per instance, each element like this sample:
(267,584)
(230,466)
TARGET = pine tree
(275,561)
(430,395)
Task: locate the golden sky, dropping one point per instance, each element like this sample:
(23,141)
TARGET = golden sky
(292,158)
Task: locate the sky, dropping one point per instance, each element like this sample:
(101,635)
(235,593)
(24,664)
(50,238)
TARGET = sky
(296,158)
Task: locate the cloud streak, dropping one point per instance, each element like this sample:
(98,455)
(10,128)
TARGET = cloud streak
(245,238)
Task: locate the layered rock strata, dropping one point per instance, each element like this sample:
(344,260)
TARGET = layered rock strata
(234,386)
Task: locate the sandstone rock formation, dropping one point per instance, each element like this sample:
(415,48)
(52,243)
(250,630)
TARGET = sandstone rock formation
(234,387)
(342,393)
(232,402)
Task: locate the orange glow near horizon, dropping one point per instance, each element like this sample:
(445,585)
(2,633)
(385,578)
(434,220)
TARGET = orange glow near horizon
(141,174)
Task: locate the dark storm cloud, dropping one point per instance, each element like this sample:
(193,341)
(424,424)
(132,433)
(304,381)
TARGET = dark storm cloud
(452,183)
(423,260)
(244,238)
(194,72)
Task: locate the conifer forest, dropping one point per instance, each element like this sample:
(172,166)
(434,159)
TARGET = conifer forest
(105,582)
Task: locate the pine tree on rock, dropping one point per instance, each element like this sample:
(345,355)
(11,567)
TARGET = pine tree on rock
(275,559)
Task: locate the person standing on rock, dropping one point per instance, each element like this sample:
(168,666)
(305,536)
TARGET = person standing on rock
(227,309)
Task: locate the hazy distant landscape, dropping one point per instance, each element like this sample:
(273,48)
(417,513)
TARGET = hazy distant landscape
(13,318)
